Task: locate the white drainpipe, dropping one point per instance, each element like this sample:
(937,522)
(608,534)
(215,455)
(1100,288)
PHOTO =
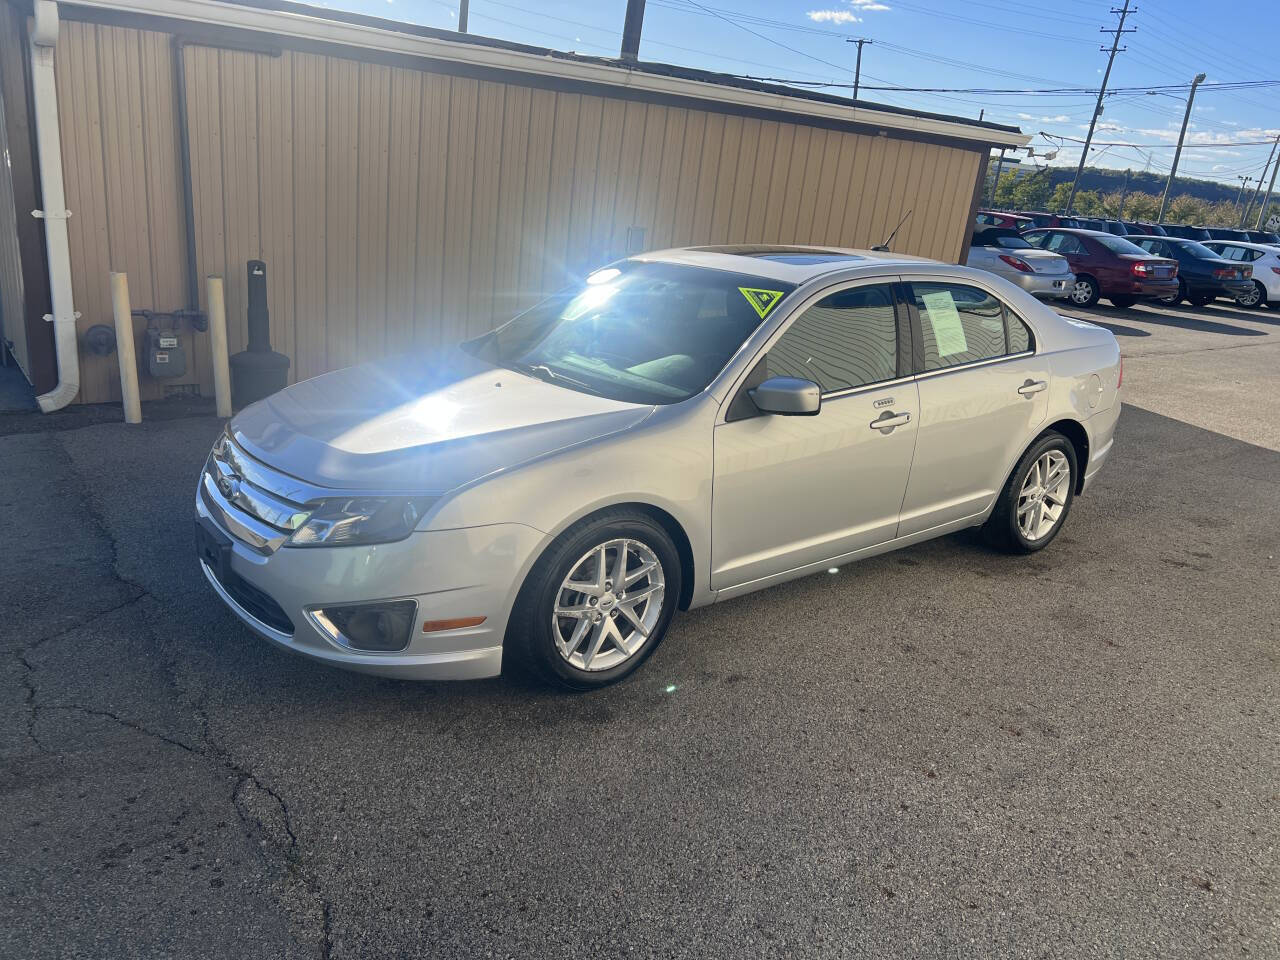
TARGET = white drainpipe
(55,213)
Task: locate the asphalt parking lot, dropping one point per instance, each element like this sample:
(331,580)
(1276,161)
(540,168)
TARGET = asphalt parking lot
(943,752)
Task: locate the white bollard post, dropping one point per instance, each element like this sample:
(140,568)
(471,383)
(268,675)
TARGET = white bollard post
(218,345)
(126,349)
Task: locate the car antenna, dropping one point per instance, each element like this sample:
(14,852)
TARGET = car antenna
(884,247)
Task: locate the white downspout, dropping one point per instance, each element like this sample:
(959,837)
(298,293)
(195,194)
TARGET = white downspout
(55,213)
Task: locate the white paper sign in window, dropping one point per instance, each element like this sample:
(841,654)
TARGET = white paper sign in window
(948,332)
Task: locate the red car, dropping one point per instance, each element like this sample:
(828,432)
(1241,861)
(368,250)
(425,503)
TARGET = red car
(1012,221)
(1107,266)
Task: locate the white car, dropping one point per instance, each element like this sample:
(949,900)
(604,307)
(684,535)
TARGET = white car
(1265,261)
(1003,252)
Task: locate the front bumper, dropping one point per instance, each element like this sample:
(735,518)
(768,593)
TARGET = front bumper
(450,574)
(1051,285)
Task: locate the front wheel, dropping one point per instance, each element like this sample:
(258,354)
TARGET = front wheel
(1256,297)
(1036,499)
(598,601)
(1085,292)
(1174,298)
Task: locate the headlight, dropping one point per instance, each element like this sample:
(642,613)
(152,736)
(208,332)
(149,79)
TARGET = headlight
(350,521)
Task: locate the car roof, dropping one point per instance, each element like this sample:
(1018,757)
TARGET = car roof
(1083,231)
(788,263)
(1247,244)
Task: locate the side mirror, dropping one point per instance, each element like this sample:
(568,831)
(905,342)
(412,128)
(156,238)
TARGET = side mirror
(787,397)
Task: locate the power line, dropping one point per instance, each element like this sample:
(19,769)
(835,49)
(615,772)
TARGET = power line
(1093,122)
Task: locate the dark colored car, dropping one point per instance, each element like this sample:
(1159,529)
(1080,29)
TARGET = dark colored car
(1264,236)
(998,218)
(1186,232)
(1108,266)
(1145,229)
(1041,219)
(1203,275)
(1223,233)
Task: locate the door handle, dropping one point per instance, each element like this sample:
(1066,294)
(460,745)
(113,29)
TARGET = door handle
(887,421)
(1032,387)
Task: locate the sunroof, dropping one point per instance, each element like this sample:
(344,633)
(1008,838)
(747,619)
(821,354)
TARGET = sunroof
(804,259)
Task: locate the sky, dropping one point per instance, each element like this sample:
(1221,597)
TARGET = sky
(959,44)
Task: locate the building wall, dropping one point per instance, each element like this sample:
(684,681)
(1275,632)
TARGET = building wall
(399,208)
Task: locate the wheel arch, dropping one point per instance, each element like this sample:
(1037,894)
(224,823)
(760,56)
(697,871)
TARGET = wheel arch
(1076,434)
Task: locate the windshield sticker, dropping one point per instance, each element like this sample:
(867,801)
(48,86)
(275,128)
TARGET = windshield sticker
(948,332)
(762,301)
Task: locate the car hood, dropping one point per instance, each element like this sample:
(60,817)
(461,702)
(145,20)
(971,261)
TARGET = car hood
(422,425)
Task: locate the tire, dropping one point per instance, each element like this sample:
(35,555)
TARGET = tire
(1085,292)
(1254,300)
(1175,298)
(604,643)
(1004,529)
(1124,303)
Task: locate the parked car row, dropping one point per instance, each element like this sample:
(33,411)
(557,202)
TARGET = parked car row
(1087,260)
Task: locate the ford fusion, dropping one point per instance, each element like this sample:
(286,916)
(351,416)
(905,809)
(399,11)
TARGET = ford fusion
(679,428)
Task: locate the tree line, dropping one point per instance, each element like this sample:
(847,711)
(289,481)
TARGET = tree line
(1036,191)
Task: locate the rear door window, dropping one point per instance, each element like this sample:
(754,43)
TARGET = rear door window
(1065,244)
(960,324)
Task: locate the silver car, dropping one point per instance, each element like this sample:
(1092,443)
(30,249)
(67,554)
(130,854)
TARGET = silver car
(680,428)
(1003,252)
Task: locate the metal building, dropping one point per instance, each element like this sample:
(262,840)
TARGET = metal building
(408,186)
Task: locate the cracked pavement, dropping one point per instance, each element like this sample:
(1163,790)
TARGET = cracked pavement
(940,752)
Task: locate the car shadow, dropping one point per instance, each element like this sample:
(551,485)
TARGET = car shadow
(1184,319)
(1119,329)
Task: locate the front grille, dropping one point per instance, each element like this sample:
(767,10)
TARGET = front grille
(254,488)
(257,603)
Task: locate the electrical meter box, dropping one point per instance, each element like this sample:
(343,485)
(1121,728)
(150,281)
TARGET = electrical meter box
(165,356)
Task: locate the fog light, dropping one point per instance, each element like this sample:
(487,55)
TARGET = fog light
(370,626)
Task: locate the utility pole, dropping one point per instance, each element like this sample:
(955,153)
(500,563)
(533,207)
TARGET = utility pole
(463,7)
(1124,192)
(1244,182)
(995,184)
(857,70)
(1266,201)
(1097,110)
(1173,171)
(1249,205)
(631,30)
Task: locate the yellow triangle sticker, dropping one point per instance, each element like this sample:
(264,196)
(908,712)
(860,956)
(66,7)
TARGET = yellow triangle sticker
(762,301)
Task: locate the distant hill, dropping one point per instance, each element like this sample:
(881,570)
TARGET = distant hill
(1109,181)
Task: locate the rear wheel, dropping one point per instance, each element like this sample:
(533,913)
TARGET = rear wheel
(1085,292)
(598,601)
(1123,302)
(1256,297)
(1036,499)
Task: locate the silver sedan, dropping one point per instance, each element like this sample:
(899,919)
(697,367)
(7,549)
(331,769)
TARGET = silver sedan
(680,428)
(1003,252)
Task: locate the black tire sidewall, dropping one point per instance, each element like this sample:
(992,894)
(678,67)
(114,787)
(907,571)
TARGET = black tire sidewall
(531,626)
(1009,508)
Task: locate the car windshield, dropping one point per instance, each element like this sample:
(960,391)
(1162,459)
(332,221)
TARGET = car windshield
(1120,245)
(1199,250)
(640,332)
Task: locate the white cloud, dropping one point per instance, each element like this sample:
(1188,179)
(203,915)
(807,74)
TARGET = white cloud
(1060,118)
(833,16)
(1025,116)
(868,4)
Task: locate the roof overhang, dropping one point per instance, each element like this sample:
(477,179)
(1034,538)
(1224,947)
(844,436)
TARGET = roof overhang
(313,26)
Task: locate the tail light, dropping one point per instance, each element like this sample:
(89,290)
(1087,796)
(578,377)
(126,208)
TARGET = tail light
(1275,269)
(1017,263)
(1246,273)
(1143,268)
(1228,273)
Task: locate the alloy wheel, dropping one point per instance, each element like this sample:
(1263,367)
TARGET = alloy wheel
(1044,495)
(1082,292)
(1251,298)
(608,605)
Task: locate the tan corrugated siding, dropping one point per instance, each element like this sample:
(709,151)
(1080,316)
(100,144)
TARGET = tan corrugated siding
(399,209)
